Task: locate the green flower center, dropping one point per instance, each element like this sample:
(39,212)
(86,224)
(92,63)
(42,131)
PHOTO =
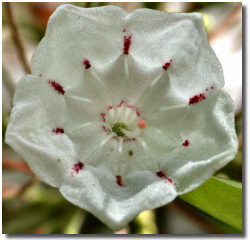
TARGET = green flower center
(117,129)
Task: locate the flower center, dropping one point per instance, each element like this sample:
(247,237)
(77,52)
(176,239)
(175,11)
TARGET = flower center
(117,129)
(123,122)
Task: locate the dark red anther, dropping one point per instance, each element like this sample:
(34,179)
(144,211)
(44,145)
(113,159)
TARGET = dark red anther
(166,65)
(58,130)
(127,43)
(103,117)
(119,181)
(78,166)
(129,139)
(130,106)
(137,112)
(120,104)
(197,98)
(57,87)
(162,175)
(186,143)
(110,107)
(86,63)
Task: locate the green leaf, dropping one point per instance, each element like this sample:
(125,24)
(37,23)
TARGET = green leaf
(220,198)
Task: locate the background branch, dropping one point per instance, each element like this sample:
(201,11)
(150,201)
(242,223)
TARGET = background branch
(16,38)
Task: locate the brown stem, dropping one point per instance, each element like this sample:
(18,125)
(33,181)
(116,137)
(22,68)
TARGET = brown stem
(231,19)
(15,37)
(14,164)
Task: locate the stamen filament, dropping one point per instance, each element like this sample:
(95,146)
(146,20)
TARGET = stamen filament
(120,144)
(126,75)
(79,98)
(148,89)
(173,107)
(111,135)
(142,143)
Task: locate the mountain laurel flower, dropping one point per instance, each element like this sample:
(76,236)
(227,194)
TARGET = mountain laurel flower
(123,112)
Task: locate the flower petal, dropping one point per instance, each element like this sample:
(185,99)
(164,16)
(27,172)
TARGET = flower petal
(74,34)
(209,128)
(37,110)
(95,189)
(178,37)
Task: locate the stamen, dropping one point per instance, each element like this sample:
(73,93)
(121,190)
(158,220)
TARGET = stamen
(98,79)
(79,98)
(103,117)
(142,143)
(58,130)
(166,65)
(108,138)
(173,107)
(156,79)
(119,181)
(120,144)
(131,117)
(57,86)
(127,43)
(197,98)
(78,166)
(126,76)
(162,175)
(120,104)
(186,143)
(86,63)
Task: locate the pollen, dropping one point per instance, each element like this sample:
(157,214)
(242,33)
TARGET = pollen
(119,181)
(86,63)
(78,166)
(166,65)
(58,87)
(186,143)
(142,124)
(127,43)
(161,174)
(58,130)
(197,98)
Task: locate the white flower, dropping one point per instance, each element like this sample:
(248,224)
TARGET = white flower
(123,112)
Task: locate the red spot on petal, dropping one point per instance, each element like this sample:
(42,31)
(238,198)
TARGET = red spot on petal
(58,130)
(130,106)
(86,63)
(127,43)
(78,166)
(197,98)
(137,112)
(57,87)
(186,143)
(166,65)
(124,30)
(119,181)
(40,75)
(110,107)
(207,89)
(120,104)
(103,117)
(162,175)
(212,87)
